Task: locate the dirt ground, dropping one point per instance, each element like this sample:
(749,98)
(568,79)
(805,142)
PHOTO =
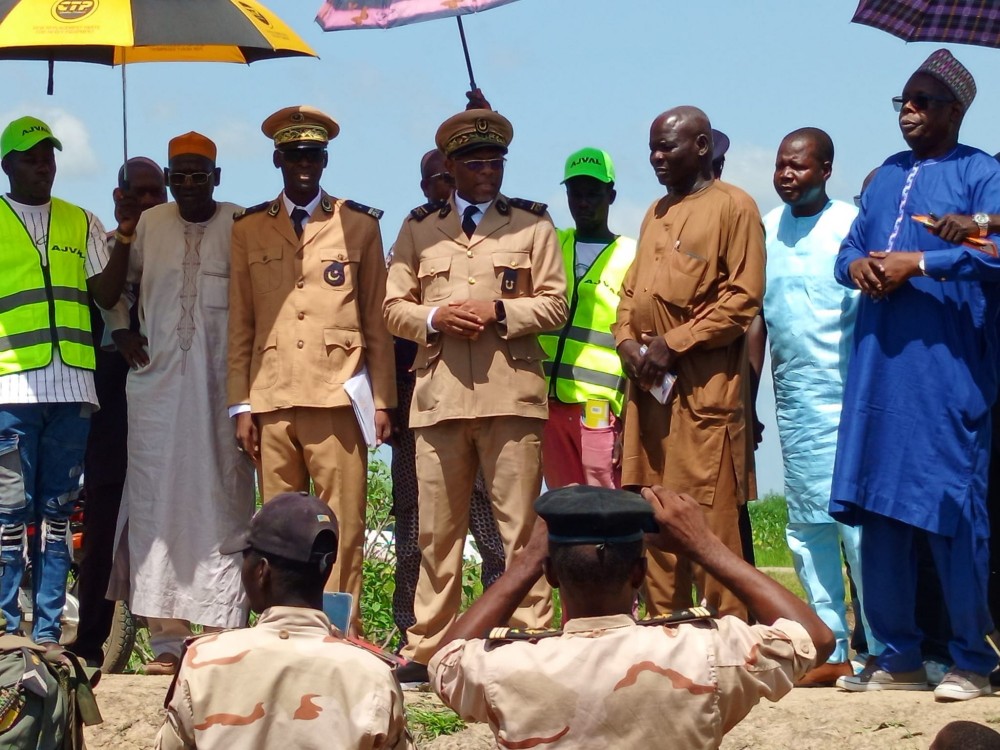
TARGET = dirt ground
(803,720)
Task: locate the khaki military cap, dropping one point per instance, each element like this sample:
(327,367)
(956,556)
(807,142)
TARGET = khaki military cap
(474,128)
(301,126)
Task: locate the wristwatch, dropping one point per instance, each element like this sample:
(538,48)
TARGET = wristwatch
(983,222)
(921,266)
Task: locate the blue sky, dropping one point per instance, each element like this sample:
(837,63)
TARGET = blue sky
(567,73)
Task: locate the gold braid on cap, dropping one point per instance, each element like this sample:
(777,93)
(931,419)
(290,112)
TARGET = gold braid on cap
(488,138)
(294,133)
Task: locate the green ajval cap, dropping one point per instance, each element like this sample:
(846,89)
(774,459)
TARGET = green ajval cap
(25,132)
(590,162)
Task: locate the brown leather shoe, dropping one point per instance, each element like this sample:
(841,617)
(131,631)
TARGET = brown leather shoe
(164,664)
(825,675)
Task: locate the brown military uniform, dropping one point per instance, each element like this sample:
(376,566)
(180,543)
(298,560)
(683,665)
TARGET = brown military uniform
(290,681)
(608,682)
(476,403)
(698,281)
(304,316)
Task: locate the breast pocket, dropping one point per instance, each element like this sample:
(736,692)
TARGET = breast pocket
(339,269)
(434,275)
(265,269)
(513,273)
(215,289)
(680,278)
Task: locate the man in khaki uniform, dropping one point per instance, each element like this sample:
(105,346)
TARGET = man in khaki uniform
(695,286)
(606,680)
(305,315)
(473,280)
(291,680)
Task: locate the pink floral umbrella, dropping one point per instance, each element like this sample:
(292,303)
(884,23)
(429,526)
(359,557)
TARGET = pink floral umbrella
(337,15)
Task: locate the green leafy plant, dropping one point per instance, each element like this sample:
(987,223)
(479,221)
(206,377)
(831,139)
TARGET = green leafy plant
(768,517)
(427,724)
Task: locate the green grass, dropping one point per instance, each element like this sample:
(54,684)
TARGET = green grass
(428,724)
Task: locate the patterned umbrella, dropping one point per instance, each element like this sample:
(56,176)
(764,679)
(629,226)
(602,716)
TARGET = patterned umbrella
(116,32)
(955,21)
(337,15)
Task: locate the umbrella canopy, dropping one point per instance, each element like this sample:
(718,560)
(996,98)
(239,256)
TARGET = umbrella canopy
(119,31)
(955,21)
(336,15)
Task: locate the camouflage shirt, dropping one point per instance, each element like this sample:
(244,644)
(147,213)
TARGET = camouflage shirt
(289,682)
(608,682)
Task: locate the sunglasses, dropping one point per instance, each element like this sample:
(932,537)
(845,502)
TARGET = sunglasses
(447,177)
(177,179)
(304,155)
(857,200)
(920,101)
(478,165)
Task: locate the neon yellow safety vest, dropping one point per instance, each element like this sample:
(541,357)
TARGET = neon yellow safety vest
(43,304)
(581,360)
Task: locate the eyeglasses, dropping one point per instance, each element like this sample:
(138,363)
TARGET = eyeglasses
(178,179)
(446,176)
(920,101)
(478,165)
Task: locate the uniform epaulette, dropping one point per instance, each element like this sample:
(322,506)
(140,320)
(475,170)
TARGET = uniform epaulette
(521,634)
(252,210)
(376,213)
(422,212)
(683,615)
(538,209)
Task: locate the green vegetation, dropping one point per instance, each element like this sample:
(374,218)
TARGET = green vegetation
(768,517)
(427,724)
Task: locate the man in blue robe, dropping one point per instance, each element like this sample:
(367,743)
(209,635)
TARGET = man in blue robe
(914,438)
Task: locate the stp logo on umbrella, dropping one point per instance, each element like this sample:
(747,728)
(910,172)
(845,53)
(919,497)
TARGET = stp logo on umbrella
(73,10)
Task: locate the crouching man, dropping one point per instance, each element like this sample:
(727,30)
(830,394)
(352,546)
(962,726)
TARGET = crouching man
(292,680)
(606,680)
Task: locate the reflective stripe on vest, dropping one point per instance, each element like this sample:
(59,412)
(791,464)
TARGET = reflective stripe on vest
(40,304)
(581,360)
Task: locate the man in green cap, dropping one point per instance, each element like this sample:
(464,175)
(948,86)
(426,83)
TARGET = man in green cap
(54,254)
(606,680)
(586,384)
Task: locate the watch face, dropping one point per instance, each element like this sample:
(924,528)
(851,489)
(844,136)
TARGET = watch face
(982,219)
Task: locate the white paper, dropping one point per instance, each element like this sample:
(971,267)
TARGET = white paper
(662,391)
(359,390)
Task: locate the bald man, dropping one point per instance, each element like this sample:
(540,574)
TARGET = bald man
(696,284)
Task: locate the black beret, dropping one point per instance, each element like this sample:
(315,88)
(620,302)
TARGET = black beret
(595,515)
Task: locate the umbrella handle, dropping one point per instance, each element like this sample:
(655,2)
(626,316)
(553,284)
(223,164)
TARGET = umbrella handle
(52,69)
(465,49)
(125,185)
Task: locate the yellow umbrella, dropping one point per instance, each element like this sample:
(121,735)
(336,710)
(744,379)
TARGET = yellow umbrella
(116,32)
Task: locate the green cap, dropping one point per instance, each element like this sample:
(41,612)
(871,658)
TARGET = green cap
(590,162)
(24,133)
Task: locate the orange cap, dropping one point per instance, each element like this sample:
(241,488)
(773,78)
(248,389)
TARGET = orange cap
(191,143)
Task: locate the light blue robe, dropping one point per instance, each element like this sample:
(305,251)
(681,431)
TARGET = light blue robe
(810,322)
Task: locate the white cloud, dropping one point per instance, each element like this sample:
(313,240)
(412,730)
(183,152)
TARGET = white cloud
(77,159)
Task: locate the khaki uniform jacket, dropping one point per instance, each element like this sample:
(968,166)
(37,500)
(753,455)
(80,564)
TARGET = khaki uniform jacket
(290,681)
(607,682)
(698,281)
(305,315)
(512,256)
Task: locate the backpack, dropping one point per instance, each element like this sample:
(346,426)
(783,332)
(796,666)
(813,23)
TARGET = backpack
(45,697)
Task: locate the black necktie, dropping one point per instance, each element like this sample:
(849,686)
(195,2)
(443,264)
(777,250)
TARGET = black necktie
(299,216)
(468,225)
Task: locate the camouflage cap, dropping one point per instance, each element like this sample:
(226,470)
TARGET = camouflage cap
(943,66)
(579,514)
(289,525)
